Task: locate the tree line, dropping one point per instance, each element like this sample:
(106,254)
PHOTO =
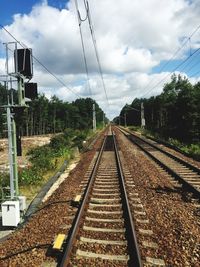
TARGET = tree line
(44,116)
(175,113)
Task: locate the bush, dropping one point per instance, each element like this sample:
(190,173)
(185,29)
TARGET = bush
(79,138)
(175,142)
(41,157)
(44,158)
(193,150)
(58,142)
(30,176)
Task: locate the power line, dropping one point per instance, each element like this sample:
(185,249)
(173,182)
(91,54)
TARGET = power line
(95,46)
(171,72)
(80,20)
(173,56)
(194,74)
(194,65)
(38,61)
(188,63)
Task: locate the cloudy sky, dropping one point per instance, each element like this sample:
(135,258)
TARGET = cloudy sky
(135,39)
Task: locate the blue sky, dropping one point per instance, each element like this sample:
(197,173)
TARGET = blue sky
(133,48)
(10,7)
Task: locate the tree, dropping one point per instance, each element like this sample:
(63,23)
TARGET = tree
(174,113)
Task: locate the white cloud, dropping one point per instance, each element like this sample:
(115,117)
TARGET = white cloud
(132,36)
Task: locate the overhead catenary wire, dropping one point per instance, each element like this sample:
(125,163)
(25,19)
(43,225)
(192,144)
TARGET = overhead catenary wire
(162,80)
(89,19)
(194,65)
(189,62)
(179,65)
(195,73)
(80,20)
(39,62)
(172,58)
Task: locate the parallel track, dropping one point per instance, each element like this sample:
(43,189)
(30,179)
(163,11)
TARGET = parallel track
(103,232)
(187,174)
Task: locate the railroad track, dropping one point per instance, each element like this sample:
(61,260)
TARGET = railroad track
(103,232)
(187,174)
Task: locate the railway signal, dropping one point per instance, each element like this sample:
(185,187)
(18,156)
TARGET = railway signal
(22,73)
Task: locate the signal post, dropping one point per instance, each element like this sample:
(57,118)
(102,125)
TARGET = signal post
(23,70)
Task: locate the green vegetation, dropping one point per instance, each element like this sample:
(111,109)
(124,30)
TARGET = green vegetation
(190,149)
(173,116)
(46,160)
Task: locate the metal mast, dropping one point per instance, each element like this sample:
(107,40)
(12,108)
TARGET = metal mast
(94,119)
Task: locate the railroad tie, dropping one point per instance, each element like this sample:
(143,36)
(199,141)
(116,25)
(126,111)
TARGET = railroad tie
(103,220)
(104,212)
(104,200)
(104,242)
(104,230)
(155,262)
(87,254)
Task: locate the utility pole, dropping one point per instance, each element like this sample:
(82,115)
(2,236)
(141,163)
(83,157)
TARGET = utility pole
(103,121)
(21,91)
(12,154)
(142,116)
(125,120)
(94,118)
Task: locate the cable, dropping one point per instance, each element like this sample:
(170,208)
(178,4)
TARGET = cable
(194,74)
(83,46)
(194,65)
(79,15)
(37,60)
(173,56)
(171,72)
(188,63)
(38,246)
(95,46)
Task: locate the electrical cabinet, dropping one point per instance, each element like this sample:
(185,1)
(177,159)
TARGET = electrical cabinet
(10,213)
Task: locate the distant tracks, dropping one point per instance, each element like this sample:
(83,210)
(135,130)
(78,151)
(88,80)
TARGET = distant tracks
(187,174)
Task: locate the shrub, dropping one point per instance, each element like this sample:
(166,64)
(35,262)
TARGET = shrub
(44,158)
(175,142)
(30,176)
(40,157)
(59,141)
(79,138)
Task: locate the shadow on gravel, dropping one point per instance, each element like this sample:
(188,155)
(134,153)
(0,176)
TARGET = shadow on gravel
(54,254)
(185,196)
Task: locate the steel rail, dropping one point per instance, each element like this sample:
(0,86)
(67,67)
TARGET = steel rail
(73,231)
(133,248)
(193,189)
(190,166)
